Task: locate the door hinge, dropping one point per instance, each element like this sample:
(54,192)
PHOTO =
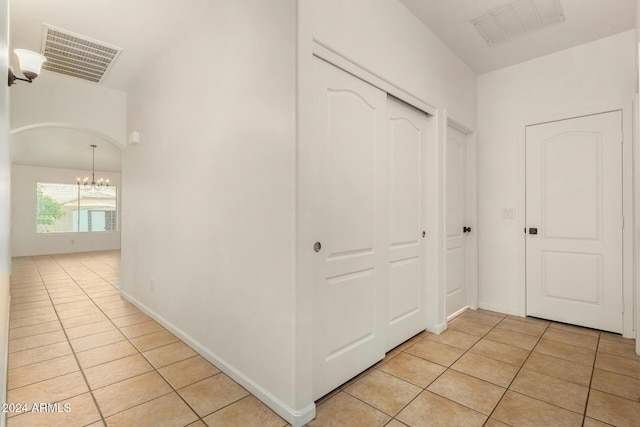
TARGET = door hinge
(622,222)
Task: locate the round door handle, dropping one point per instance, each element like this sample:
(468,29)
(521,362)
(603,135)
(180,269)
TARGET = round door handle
(317,246)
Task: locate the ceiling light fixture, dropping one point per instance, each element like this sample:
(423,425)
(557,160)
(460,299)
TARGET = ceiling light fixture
(93,185)
(30,64)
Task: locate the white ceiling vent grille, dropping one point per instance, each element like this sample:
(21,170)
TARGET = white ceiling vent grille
(517,17)
(76,55)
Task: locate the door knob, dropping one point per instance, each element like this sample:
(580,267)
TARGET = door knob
(317,246)
(466,229)
(424,234)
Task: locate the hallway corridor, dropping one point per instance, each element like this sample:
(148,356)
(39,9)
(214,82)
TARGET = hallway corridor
(75,341)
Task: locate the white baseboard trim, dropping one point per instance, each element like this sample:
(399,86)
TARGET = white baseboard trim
(457,313)
(438,329)
(499,309)
(294,417)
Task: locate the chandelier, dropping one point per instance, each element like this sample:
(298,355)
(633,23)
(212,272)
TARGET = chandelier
(93,185)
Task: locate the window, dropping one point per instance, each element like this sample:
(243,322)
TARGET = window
(65,208)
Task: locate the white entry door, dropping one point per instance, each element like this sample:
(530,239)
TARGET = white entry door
(349,161)
(457,229)
(574,221)
(408,135)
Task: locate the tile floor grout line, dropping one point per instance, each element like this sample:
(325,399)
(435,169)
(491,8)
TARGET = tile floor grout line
(450,366)
(84,264)
(508,388)
(593,371)
(549,326)
(342,388)
(373,367)
(552,404)
(154,369)
(530,352)
(103,419)
(44,360)
(468,351)
(447,368)
(138,352)
(73,352)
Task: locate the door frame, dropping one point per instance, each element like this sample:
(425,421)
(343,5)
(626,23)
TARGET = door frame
(471,244)
(627,205)
(636,219)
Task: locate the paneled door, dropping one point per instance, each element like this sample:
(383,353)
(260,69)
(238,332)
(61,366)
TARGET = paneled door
(457,229)
(408,135)
(349,162)
(574,221)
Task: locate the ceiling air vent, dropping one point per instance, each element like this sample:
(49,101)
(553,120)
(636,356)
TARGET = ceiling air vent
(517,17)
(76,55)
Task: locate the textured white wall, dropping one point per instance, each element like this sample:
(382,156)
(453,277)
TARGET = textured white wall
(637,181)
(24,239)
(5,203)
(55,98)
(208,200)
(383,37)
(589,77)
(61,100)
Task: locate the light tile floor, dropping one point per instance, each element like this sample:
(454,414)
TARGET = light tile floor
(74,340)
(495,370)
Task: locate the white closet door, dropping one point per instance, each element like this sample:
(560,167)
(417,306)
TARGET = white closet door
(456,259)
(574,221)
(408,134)
(349,160)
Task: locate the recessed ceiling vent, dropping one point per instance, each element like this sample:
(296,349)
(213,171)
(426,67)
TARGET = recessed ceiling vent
(76,55)
(515,18)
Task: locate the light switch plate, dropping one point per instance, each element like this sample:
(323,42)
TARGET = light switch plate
(508,213)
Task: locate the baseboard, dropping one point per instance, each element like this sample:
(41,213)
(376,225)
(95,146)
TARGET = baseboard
(498,309)
(438,329)
(294,417)
(457,313)
(5,280)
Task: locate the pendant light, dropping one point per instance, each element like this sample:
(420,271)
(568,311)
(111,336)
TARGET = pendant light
(93,185)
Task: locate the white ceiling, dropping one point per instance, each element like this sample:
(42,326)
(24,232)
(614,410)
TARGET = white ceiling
(143,27)
(65,148)
(586,20)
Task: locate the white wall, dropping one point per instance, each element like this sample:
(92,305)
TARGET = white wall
(637,23)
(5,204)
(636,134)
(55,98)
(86,108)
(383,37)
(24,239)
(588,78)
(208,207)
